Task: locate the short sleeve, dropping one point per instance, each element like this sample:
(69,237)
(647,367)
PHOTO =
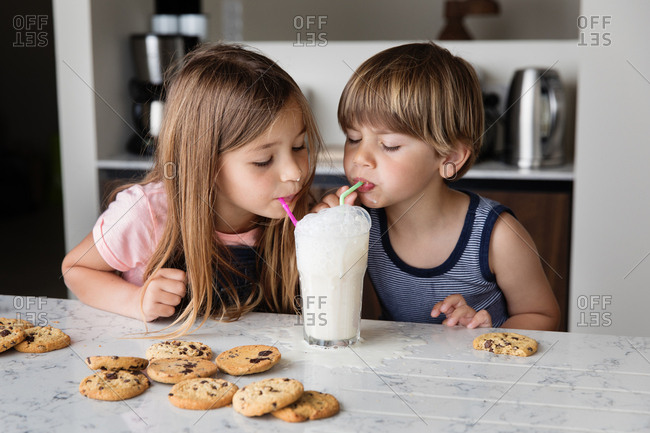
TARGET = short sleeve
(127,233)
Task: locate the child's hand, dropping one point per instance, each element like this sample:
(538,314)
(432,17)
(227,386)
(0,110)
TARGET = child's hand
(164,292)
(332,200)
(459,313)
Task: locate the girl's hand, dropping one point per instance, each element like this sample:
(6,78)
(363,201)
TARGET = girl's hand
(332,200)
(164,292)
(459,313)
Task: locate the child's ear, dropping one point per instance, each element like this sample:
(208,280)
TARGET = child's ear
(453,162)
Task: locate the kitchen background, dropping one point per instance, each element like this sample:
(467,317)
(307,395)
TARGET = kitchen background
(605,287)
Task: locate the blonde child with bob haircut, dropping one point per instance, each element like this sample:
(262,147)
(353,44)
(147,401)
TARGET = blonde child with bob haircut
(413,120)
(204,233)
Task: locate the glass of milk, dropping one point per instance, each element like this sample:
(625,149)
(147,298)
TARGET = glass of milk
(332,255)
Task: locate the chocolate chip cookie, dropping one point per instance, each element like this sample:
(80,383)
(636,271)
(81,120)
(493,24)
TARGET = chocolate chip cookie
(202,393)
(179,349)
(267,395)
(114,385)
(10,336)
(16,323)
(174,370)
(311,405)
(41,339)
(117,363)
(506,343)
(242,360)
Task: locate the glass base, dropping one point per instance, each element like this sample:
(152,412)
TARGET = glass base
(330,343)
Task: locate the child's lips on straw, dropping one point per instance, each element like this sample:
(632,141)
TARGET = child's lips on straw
(367,186)
(288,199)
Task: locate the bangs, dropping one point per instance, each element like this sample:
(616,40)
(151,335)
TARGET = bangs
(389,99)
(365,106)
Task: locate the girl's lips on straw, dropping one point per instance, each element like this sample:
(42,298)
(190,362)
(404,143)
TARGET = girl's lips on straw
(367,186)
(288,199)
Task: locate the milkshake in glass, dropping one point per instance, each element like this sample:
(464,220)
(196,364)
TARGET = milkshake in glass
(332,255)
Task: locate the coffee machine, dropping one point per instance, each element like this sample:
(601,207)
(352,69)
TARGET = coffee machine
(154,57)
(177,27)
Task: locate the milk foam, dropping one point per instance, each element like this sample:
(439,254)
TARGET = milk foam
(339,221)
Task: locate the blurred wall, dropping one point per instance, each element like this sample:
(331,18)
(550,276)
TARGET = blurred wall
(389,19)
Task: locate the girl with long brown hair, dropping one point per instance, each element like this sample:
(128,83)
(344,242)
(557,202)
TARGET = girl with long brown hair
(203,234)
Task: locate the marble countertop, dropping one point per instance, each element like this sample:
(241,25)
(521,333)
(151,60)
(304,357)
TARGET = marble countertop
(400,377)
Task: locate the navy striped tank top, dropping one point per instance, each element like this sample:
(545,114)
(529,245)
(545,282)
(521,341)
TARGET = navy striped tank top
(408,294)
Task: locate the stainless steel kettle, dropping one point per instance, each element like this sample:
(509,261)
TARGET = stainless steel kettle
(536,119)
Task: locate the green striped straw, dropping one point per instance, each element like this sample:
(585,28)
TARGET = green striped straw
(349,191)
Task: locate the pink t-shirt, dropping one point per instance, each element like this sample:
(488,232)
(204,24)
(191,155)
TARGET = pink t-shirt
(127,233)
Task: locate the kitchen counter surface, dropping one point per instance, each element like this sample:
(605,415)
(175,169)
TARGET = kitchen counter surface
(400,377)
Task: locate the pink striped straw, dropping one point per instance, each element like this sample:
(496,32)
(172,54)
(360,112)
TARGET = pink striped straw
(287,210)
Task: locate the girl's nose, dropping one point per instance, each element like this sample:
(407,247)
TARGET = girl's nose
(291,171)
